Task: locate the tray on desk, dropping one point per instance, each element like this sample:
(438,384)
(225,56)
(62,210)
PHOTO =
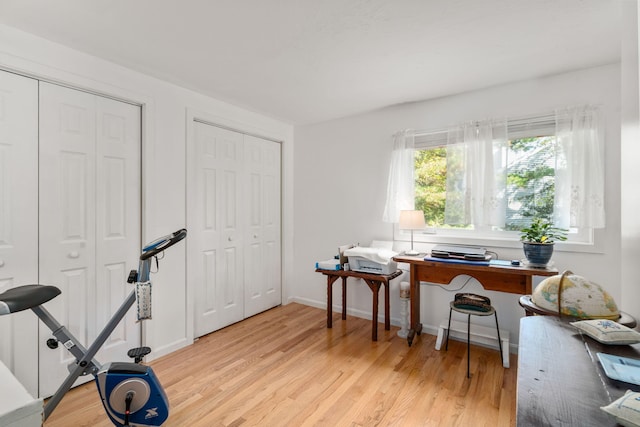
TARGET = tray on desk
(620,368)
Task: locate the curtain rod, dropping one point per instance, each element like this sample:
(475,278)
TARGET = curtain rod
(516,120)
(509,120)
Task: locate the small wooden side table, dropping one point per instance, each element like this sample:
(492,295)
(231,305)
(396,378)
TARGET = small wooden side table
(374,281)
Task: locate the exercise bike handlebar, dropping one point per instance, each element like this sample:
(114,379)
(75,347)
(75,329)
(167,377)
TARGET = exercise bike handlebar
(162,243)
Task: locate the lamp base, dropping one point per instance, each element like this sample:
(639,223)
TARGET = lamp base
(412,253)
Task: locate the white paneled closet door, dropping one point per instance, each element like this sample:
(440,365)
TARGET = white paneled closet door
(215,231)
(262,278)
(89,219)
(18,220)
(233,215)
(118,219)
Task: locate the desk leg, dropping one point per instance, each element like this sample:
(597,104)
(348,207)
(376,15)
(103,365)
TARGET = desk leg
(528,283)
(414,294)
(330,280)
(387,311)
(374,325)
(344,298)
(375,288)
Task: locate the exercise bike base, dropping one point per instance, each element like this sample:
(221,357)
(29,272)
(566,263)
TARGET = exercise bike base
(149,406)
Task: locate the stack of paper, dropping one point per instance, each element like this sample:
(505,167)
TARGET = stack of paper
(330,264)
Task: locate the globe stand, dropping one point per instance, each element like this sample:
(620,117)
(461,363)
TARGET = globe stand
(531,309)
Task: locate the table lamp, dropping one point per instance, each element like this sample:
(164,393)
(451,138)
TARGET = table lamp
(411,220)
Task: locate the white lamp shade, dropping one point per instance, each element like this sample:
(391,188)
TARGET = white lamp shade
(411,220)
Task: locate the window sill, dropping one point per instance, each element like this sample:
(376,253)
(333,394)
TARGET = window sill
(490,242)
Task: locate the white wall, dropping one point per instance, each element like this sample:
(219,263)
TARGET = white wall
(341,175)
(630,154)
(164,137)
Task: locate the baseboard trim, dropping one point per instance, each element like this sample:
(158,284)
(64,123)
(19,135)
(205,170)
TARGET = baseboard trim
(429,329)
(166,349)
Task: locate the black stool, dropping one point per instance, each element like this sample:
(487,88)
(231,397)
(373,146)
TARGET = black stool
(469,313)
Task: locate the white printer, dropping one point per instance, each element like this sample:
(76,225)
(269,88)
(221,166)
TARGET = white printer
(371,260)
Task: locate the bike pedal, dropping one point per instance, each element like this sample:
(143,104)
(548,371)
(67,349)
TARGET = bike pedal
(133,275)
(138,353)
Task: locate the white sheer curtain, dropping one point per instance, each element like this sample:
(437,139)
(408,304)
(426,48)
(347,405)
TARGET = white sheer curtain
(400,186)
(476,174)
(579,188)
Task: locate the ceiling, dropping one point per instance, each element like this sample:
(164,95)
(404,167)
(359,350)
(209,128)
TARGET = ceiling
(307,61)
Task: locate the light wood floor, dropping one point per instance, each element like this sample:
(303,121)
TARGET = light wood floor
(285,368)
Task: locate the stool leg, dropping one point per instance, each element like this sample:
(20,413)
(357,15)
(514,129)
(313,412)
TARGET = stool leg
(446,346)
(499,340)
(468,344)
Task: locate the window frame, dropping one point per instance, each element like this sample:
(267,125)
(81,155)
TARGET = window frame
(584,240)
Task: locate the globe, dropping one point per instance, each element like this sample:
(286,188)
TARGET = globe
(581,298)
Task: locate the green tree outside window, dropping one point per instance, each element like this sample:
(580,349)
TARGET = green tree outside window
(530,182)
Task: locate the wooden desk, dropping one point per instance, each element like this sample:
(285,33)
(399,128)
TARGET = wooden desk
(515,280)
(560,380)
(374,281)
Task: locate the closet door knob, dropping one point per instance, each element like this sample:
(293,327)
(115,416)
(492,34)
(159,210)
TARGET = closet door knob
(1,263)
(229,238)
(74,254)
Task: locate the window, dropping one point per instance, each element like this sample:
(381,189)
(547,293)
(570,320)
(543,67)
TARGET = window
(530,182)
(488,179)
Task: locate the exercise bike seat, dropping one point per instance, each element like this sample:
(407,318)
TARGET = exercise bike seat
(26,296)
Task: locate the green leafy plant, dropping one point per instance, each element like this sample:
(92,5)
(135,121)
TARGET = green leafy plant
(542,231)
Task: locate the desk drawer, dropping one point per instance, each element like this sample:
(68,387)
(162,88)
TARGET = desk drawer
(494,281)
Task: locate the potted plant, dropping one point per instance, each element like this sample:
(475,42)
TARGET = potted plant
(538,240)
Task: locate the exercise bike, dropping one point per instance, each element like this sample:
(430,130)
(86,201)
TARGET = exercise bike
(130,392)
